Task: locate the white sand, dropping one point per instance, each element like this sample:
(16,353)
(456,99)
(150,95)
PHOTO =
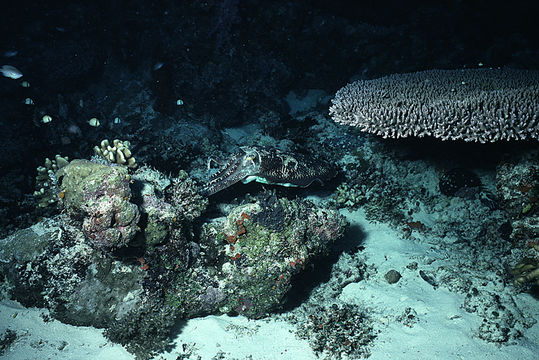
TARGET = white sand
(43,340)
(444,330)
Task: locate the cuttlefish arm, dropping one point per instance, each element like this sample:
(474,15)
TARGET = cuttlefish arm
(269,166)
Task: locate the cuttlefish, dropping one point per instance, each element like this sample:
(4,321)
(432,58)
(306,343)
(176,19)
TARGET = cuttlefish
(269,165)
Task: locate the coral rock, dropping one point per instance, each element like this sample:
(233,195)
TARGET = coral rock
(98,195)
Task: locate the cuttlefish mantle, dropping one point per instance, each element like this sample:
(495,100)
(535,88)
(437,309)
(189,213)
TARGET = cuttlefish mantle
(269,165)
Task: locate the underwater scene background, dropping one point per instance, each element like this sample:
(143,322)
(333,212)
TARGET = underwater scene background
(240,179)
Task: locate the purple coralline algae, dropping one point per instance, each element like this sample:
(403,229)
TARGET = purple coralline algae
(98,196)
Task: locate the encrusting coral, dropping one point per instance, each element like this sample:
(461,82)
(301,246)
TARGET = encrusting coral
(167,205)
(517,185)
(99,195)
(263,245)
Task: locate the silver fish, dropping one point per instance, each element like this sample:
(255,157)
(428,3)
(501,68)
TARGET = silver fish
(11,72)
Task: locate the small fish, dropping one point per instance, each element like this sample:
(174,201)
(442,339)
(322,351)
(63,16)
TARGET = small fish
(94,122)
(10,53)
(11,72)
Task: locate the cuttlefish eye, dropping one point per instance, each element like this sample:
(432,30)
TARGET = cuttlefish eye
(251,156)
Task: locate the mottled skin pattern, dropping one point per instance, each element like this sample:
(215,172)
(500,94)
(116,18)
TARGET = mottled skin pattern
(269,166)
